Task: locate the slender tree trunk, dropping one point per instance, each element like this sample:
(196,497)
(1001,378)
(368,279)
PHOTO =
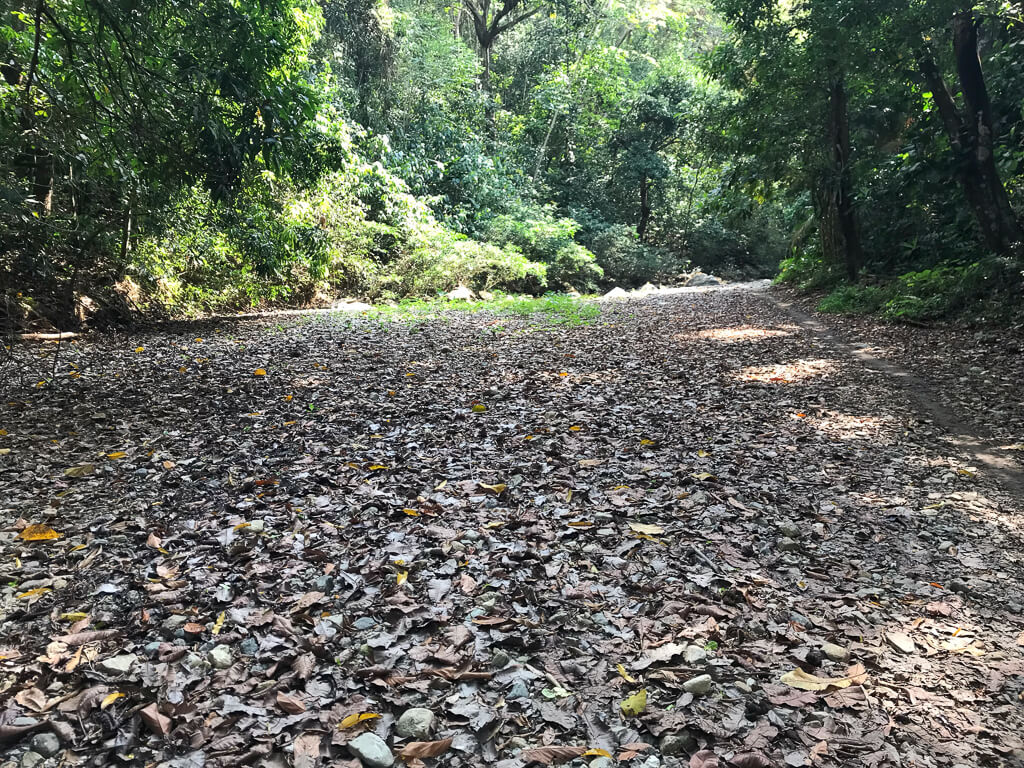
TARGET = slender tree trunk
(645,208)
(840,237)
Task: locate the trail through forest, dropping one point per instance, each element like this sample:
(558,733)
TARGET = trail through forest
(688,531)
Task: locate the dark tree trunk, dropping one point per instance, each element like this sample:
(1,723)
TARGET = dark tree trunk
(837,218)
(1001,222)
(972,138)
(645,209)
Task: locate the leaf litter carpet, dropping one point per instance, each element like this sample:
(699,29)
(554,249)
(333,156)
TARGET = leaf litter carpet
(685,534)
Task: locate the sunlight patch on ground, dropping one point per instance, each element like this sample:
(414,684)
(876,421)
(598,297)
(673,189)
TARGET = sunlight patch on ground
(734,335)
(788,373)
(845,426)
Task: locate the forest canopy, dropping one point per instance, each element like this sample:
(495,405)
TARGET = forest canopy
(185,157)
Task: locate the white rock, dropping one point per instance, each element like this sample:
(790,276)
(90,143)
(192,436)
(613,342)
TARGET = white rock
(415,724)
(119,665)
(462,293)
(699,685)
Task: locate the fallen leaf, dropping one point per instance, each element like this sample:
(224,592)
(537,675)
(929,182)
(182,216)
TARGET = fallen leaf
(551,755)
(259,372)
(704,759)
(290,704)
(155,720)
(496,489)
(111,698)
(82,470)
(633,706)
(356,718)
(900,642)
(38,532)
(624,674)
(424,749)
(808,682)
(648,529)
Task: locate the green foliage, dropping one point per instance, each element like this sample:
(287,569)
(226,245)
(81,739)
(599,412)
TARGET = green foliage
(543,237)
(929,294)
(551,308)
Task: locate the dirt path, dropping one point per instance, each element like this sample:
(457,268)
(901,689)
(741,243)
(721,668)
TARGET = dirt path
(485,517)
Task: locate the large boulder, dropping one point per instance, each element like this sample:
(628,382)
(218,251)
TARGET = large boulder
(702,280)
(616,293)
(462,293)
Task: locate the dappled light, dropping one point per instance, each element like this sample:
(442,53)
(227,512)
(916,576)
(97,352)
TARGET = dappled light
(788,373)
(735,335)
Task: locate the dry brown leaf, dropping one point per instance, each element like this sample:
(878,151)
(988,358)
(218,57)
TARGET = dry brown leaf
(551,755)
(155,720)
(293,705)
(631,750)
(704,759)
(750,760)
(808,682)
(31,698)
(424,749)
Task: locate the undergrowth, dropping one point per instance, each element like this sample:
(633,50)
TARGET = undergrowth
(553,308)
(982,289)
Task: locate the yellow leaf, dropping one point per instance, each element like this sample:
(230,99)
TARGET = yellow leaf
(440,485)
(110,699)
(575,428)
(289,423)
(139,349)
(580,524)
(411,512)
(479,408)
(116,455)
(260,372)
(596,753)
(241,526)
(494,524)
(808,682)
(219,624)
(625,675)
(650,530)
(199,341)
(497,488)
(645,441)
(375,467)
(83,470)
(703,476)
(356,718)
(703,454)
(75,616)
(401,576)
(34,592)
(38,532)
(635,704)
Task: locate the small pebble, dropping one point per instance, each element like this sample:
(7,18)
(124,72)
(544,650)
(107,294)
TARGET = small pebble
(220,657)
(835,652)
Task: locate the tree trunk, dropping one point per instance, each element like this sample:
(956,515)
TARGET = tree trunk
(645,208)
(1005,234)
(971,138)
(837,219)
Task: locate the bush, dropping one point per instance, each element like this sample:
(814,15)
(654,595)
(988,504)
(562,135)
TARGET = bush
(544,238)
(625,260)
(854,299)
